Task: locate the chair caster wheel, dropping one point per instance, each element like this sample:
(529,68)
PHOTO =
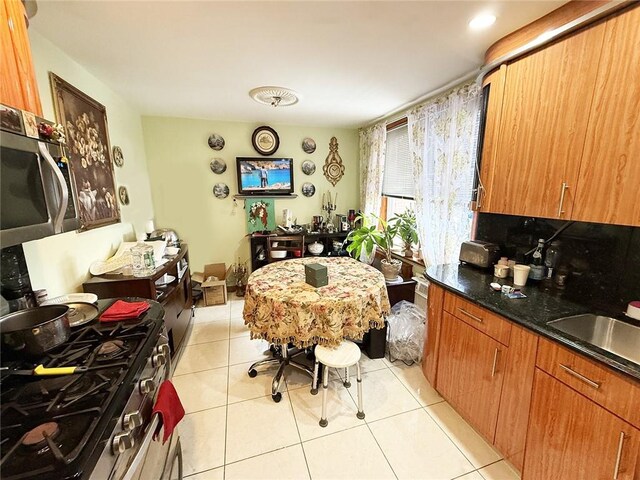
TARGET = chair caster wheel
(347,384)
(314,391)
(253,373)
(277,397)
(323,422)
(360,415)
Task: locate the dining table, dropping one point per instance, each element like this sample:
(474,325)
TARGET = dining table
(294,316)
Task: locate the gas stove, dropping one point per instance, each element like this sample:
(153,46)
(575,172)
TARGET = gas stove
(69,426)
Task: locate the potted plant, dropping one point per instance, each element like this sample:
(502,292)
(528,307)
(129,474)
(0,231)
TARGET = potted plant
(407,228)
(365,239)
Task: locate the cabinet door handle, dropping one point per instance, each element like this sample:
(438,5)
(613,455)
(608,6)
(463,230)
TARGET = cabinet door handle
(494,369)
(579,376)
(619,456)
(479,197)
(470,315)
(563,189)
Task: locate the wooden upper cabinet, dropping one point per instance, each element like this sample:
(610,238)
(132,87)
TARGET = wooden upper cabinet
(18,87)
(543,124)
(609,179)
(493,87)
(571,437)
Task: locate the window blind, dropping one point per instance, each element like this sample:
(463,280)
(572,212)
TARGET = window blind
(398,173)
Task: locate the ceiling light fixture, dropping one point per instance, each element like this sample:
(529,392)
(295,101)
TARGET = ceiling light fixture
(482,21)
(274,96)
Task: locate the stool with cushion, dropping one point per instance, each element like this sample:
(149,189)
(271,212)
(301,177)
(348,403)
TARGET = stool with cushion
(344,356)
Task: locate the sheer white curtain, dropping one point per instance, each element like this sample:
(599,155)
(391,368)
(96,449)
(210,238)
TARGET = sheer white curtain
(443,136)
(373,144)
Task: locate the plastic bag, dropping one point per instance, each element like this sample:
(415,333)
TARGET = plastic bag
(406,332)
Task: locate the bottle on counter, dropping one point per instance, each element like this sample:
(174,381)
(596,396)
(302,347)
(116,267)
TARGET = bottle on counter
(537,265)
(142,261)
(551,258)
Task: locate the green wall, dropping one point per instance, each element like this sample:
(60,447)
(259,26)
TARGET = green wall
(181,182)
(60,263)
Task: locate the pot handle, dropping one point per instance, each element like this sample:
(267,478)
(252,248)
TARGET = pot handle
(42,370)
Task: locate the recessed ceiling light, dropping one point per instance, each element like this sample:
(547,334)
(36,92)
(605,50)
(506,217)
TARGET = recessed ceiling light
(482,21)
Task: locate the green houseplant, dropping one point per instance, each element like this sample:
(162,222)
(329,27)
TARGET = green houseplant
(367,238)
(407,229)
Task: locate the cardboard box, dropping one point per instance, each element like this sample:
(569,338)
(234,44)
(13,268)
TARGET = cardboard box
(214,286)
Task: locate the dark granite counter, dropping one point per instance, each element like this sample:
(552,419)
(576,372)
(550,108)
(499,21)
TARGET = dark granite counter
(533,312)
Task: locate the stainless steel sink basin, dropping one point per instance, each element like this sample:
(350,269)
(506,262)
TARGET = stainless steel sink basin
(612,335)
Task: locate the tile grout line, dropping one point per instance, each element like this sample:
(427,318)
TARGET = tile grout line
(380,447)
(295,419)
(453,441)
(406,388)
(226,413)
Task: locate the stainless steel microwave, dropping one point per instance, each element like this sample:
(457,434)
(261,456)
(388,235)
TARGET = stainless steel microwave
(37,198)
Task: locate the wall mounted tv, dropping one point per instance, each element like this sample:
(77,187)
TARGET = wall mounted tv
(264,176)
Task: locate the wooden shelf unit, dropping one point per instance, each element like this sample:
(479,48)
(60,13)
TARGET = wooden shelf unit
(175,297)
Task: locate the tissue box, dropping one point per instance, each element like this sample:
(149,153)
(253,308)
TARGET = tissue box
(316,274)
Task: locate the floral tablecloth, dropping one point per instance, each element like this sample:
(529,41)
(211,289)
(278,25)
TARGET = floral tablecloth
(281,308)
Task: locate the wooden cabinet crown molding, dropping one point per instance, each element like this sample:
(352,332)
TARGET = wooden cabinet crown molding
(559,17)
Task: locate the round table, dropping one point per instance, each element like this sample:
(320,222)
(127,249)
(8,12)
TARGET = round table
(283,309)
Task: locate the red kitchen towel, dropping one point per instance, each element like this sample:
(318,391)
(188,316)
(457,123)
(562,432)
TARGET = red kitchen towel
(170,409)
(121,310)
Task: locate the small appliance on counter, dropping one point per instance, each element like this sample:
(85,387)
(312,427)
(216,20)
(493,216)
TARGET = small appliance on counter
(479,254)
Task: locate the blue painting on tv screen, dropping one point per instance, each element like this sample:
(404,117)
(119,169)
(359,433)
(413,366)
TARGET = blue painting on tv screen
(259,176)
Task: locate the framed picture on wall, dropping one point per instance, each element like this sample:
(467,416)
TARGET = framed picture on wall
(261,214)
(89,153)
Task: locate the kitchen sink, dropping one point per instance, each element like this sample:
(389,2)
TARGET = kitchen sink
(615,336)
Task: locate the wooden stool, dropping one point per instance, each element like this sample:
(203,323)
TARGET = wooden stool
(344,356)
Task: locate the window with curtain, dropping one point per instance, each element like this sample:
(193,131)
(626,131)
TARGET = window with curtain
(398,185)
(398,175)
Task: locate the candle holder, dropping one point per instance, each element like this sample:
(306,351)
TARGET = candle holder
(329,207)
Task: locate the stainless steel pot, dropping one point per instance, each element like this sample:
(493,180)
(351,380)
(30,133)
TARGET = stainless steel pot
(35,331)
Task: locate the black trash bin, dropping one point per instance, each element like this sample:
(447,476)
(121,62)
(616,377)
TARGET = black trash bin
(374,342)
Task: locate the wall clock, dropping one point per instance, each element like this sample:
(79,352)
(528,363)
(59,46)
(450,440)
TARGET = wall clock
(265,140)
(333,167)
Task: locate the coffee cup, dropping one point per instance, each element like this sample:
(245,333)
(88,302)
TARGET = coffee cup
(501,271)
(520,274)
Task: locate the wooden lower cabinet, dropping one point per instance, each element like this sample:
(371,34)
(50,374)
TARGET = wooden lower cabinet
(571,437)
(435,301)
(470,373)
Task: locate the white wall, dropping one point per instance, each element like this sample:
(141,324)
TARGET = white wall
(182,181)
(61,263)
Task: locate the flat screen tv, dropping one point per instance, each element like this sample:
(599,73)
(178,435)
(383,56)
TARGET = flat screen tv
(264,176)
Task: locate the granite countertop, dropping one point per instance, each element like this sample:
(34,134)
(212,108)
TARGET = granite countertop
(533,312)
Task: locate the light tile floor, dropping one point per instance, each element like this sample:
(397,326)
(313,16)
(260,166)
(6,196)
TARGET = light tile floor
(233,430)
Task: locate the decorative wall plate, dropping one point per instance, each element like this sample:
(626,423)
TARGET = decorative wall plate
(221,190)
(265,140)
(216,142)
(118,157)
(308,189)
(123,195)
(333,167)
(308,167)
(218,166)
(309,145)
